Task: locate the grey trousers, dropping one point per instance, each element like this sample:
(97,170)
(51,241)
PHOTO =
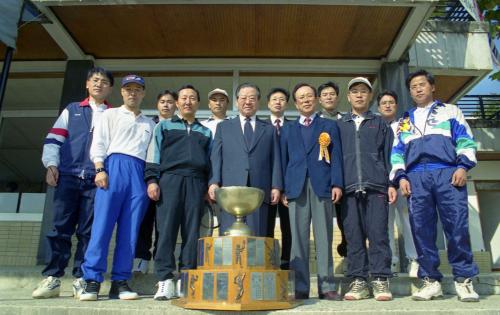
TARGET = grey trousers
(304,209)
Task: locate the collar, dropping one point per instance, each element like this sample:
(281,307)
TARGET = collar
(177,118)
(273,118)
(243,119)
(330,114)
(212,118)
(302,118)
(350,116)
(126,111)
(86,102)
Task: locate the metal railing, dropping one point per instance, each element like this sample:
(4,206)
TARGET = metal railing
(485,107)
(451,10)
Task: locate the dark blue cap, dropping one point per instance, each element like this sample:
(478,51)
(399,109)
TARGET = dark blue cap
(132,78)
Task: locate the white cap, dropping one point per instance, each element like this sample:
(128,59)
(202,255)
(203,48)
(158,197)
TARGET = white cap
(359,80)
(218,91)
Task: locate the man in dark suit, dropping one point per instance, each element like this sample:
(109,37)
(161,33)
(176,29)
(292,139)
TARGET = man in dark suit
(245,152)
(311,156)
(277,100)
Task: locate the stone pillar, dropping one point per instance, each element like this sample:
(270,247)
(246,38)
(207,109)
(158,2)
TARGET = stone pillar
(75,78)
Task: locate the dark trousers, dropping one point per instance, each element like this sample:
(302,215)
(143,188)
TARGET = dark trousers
(180,206)
(433,193)
(286,234)
(145,237)
(342,247)
(73,212)
(365,217)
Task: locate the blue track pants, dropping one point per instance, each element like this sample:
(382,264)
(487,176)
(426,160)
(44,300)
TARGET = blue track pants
(123,203)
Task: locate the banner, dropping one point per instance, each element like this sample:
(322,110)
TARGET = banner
(10,11)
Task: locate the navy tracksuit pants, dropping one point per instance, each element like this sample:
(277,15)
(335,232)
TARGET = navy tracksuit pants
(366,217)
(180,206)
(73,211)
(433,193)
(145,238)
(123,203)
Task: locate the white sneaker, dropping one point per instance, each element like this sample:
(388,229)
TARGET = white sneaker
(413,268)
(465,291)
(430,290)
(381,290)
(166,290)
(178,287)
(140,265)
(49,287)
(78,285)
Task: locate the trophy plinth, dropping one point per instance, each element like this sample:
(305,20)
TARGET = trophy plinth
(240,202)
(238,271)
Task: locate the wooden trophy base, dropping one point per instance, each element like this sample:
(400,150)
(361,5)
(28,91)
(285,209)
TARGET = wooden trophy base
(222,306)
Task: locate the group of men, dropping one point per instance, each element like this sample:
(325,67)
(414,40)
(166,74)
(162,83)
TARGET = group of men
(311,169)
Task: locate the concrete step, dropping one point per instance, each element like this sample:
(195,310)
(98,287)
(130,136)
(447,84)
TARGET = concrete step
(402,285)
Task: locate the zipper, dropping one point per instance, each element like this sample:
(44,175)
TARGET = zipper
(357,149)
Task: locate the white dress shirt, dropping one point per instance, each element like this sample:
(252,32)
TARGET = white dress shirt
(211,123)
(120,131)
(273,120)
(303,118)
(243,121)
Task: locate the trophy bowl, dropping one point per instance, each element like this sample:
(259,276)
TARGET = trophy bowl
(239,201)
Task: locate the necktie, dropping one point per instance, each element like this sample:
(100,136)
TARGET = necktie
(278,125)
(307,121)
(248,132)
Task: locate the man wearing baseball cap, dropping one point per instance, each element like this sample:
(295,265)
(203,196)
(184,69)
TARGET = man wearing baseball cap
(118,151)
(218,101)
(366,146)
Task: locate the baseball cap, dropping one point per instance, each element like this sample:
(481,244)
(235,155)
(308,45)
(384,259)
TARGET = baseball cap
(359,80)
(133,78)
(218,91)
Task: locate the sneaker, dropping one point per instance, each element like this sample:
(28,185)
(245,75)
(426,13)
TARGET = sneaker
(431,289)
(381,290)
(413,268)
(78,285)
(465,291)
(358,289)
(120,290)
(49,287)
(141,265)
(166,290)
(90,291)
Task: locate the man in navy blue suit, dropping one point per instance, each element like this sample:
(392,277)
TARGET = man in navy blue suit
(245,152)
(311,158)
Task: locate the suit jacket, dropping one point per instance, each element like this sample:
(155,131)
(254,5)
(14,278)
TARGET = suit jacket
(299,162)
(235,164)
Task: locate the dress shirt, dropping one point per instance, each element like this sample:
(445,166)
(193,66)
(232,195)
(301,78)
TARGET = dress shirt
(358,119)
(211,123)
(120,131)
(243,121)
(302,118)
(273,120)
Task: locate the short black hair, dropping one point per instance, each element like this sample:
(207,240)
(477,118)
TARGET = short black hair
(166,92)
(278,90)
(328,84)
(420,72)
(299,85)
(389,93)
(247,85)
(102,71)
(186,87)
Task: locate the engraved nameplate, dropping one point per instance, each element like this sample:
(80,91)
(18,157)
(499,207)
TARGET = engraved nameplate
(222,286)
(201,252)
(251,246)
(269,286)
(208,286)
(256,286)
(260,248)
(218,251)
(227,251)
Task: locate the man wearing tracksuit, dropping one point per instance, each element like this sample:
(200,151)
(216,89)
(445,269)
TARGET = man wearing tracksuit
(176,172)
(366,146)
(118,151)
(430,158)
(70,171)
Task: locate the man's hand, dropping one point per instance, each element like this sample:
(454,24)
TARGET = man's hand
(275,196)
(392,194)
(154,191)
(52,176)
(101,180)
(404,184)
(211,191)
(284,200)
(459,178)
(336,194)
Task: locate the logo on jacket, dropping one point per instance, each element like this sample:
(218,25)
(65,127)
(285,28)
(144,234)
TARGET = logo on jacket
(324,141)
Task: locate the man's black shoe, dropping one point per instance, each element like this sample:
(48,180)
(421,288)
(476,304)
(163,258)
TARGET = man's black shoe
(121,290)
